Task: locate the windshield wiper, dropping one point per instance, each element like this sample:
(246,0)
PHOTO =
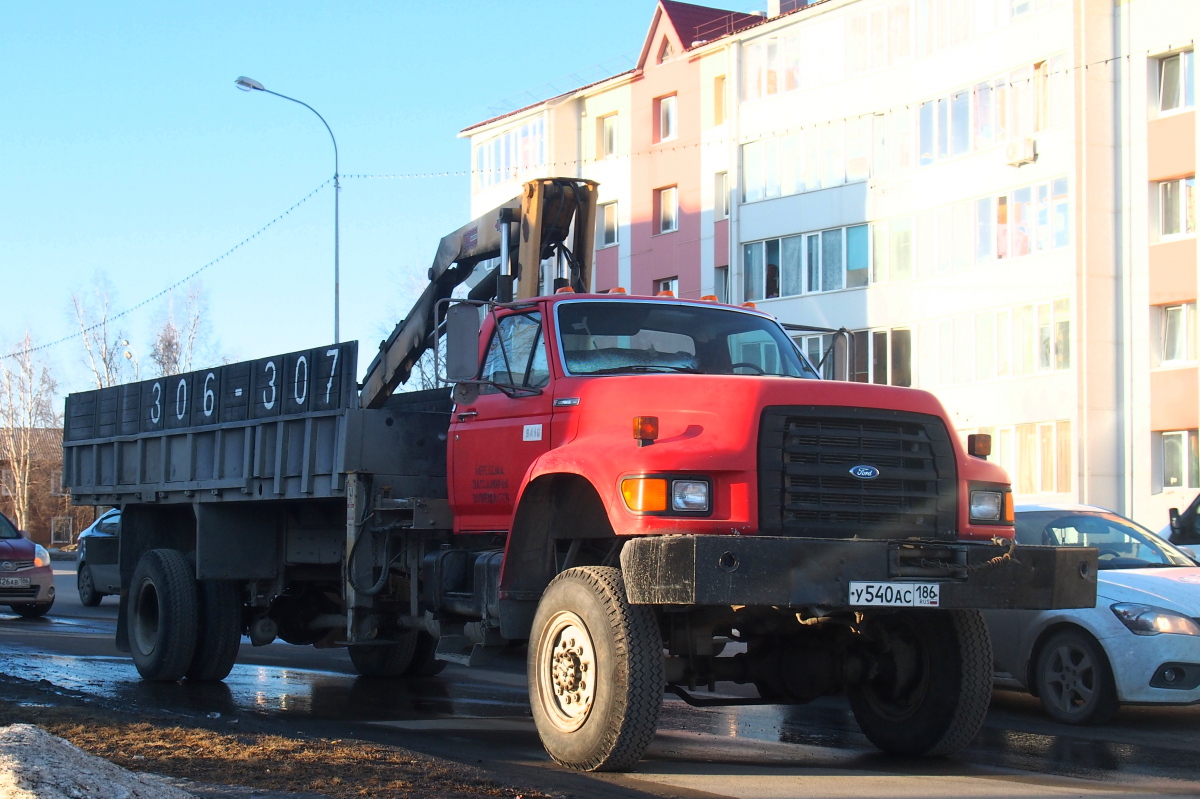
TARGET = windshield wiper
(641,367)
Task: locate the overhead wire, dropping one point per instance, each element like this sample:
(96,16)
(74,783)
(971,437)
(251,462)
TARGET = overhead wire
(183,280)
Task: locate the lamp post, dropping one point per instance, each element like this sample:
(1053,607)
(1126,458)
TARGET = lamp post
(249,84)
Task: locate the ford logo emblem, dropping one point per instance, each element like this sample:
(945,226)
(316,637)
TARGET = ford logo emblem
(864,472)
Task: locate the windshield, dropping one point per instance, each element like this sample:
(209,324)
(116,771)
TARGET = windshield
(1123,544)
(6,528)
(612,337)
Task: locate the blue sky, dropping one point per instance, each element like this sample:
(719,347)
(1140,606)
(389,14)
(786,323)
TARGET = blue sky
(128,153)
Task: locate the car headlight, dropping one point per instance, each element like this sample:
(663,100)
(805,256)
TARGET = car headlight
(986,506)
(1149,620)
(689,495)
(40,556)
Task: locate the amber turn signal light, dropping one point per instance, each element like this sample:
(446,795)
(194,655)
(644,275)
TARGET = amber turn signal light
(1008,515)
(979,445)
(645,493)
(645,429)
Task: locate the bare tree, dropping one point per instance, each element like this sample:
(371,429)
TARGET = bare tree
(175,344)
(27,408)
(103,342)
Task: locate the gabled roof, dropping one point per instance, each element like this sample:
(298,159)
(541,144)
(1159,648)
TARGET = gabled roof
(691,23)
(47,443)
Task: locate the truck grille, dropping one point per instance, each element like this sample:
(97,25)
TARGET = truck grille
(806,489)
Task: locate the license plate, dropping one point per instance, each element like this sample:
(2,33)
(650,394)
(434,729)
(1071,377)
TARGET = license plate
(896,595)
(14,582)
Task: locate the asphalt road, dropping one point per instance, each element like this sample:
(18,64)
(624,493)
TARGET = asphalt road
(481,717)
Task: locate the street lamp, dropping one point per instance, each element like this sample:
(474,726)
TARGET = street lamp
(250,84)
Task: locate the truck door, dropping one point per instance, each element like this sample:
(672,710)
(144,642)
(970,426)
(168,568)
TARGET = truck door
(495,438)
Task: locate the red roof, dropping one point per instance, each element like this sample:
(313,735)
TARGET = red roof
(692,23)
(695,23)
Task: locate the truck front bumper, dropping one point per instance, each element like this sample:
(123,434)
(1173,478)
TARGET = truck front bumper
(816,572)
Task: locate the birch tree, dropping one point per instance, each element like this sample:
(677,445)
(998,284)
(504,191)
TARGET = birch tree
(104,344)
(26,406)
(176,342)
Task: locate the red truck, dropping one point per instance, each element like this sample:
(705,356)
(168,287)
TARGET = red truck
(631,485)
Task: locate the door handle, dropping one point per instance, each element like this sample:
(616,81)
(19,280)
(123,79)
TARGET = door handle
(465,415)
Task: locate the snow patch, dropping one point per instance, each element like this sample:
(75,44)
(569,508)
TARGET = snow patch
(37,765)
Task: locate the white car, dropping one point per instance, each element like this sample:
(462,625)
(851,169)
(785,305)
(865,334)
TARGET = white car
(1140,644)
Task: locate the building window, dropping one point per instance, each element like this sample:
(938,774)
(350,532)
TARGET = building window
(608,135)
(667,121)
(7,483)
(670,284)
(721,195)
(1177,206)
(721,283)
(883,357)
(608,224)
(667,206)
(1178,333)
(665,51)
(719,100)
(1037,456)
(826,260)
(56,486)
(821,353)
(511,154)
(1176,81)
(1179,459)
(60,529)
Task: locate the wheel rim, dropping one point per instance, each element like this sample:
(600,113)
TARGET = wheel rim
(85,583)
(566,679)
(145,617)
(1070,679)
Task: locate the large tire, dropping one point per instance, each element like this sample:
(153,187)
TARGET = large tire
(219,633)
(424,664)
(384,660)
(162,615)
(595,671)
(85,583)
(1074,680)
(933,684)
(31,611)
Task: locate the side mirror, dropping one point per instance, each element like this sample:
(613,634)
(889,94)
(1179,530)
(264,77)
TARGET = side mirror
(1173,513)
(462,342)
(1191,553)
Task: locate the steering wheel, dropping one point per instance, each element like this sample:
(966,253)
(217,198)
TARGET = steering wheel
(1112,552)
(758,370)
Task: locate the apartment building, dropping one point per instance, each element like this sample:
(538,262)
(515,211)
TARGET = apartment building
(995,197)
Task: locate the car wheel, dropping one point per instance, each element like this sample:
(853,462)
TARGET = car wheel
(86,584)
(162,615)
(932,686)
(31,611)
(1074,680)
(595,671)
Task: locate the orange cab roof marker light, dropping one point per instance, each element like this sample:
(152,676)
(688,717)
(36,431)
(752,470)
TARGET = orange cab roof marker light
(645,429)
(617,290)
(665,294)
(709,298)
(564,290)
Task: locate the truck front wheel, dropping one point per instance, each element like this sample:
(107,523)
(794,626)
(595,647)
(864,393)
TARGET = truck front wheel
(932,682)
(162,615)
(595,671)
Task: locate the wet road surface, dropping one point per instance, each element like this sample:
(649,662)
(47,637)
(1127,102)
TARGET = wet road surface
(482,716)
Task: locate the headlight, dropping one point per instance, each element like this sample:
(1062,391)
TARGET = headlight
(689,495)
(986,506)
(40,556)
(1149,620)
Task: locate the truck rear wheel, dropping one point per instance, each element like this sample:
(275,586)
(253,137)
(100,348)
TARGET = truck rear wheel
(384,660)
(162,615)
(424,664)
(219,633)
(933,684)
(596,671)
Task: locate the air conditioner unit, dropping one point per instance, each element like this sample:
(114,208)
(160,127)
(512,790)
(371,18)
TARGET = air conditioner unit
(1020,151)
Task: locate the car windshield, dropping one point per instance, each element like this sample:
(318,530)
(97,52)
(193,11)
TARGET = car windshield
(1123,544)
(6,528)
(613,337)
